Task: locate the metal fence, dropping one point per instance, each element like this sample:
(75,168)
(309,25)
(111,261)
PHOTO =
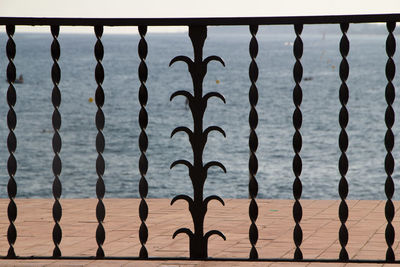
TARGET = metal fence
(198,136)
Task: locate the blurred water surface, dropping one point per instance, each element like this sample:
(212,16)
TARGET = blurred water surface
(320,107)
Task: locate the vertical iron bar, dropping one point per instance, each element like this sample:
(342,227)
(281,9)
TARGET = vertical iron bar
(253,142)
(389,140)
(143,141)
(11,140)
(198,240)
(343,142)
(100,142)
(297,141)
(56,120)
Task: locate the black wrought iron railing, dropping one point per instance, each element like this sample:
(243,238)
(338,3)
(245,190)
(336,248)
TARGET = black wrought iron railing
(197,102)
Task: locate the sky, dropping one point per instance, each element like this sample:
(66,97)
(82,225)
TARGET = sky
(190,8)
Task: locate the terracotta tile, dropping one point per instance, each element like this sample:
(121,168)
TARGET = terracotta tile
(327,264)
(73,263)
(320,225)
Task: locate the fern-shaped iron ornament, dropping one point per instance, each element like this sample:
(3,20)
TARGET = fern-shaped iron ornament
(198,139)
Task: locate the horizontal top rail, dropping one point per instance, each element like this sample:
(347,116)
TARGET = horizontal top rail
(213,21)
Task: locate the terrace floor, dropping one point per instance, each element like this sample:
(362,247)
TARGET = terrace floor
(320,226)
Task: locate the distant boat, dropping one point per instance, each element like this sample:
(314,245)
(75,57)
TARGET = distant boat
(20,79)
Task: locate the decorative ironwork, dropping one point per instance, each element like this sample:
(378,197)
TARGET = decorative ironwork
(198,139)
(253,142)
(343,143)
(297,141)
(389,140)
(100,142)
(143,142)
(56,120)
(11,140)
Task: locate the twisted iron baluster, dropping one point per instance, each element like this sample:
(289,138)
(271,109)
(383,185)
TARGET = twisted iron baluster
(143,142)
(56,120)
(343,143)
(253,142)
(11,141)
(100,142)
(389,140)
(297,141)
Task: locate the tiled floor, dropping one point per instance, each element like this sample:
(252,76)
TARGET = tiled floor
(320,226)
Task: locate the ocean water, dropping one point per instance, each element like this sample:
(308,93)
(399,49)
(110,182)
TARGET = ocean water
(320,108)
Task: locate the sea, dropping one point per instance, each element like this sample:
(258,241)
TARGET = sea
(320,108)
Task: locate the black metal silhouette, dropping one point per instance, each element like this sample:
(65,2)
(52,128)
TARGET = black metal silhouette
(198,139)
(100,142)
(343,143)
(56,120)
(253,143)
(197,172)
(143,142)
(211,21)
(11,140)
(297,141)
(389,140)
